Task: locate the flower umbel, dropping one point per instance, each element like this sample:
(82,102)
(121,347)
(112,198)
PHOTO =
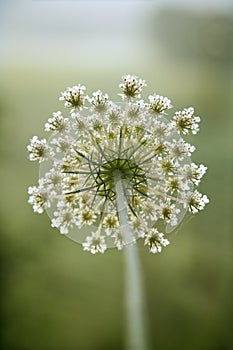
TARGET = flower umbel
(73,97)
(185,121)
(38,149)
(131,86)
(106,142)
(159,103)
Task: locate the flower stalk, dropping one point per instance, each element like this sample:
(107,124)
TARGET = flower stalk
(136,318)
(136,337)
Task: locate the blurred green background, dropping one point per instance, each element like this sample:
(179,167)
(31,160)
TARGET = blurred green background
(54,295)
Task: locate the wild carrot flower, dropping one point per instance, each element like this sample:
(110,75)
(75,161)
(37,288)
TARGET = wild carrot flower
(103,142)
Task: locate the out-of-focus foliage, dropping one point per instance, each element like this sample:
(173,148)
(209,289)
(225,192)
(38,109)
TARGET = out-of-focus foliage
(54,295)
(199,36)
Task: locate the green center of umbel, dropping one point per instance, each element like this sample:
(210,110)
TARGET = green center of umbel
(123,169)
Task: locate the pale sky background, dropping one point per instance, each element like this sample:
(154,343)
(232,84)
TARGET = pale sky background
(57,30)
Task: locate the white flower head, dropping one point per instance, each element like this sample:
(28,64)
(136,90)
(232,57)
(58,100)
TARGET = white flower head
(110,222)
(194,173)
(95,244)
(131,87)
(74,97)
(185,121)
(99,101)
(197,202)
(159,104)
(61,143)
(52,179)
(181,149)
(87,216)
(169,212)
(38,149)
(65,218)
(100,145)
(39,198)
(57,123)
(155,240)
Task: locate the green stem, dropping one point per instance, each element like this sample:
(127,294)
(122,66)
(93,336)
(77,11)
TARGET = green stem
(136,336)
